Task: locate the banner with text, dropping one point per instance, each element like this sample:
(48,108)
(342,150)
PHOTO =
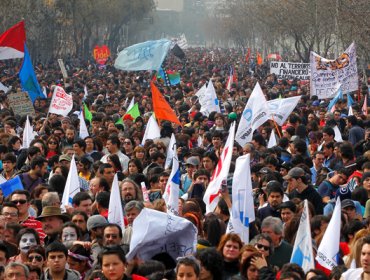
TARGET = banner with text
(326,74)
(290,70)
(61,103)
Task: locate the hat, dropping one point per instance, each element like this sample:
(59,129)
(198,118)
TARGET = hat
(52,211)
(65,157)
(348,203)
(192,161)
(128,117)
(96,221)
(232,116)
(286,165)
(316,103)
(295,172)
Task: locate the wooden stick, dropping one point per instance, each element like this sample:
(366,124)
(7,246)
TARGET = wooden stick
(276,126)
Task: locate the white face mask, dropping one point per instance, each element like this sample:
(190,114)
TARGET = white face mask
(69,234)
(27,240)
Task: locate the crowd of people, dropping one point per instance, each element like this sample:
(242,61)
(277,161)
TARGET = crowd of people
(38,241)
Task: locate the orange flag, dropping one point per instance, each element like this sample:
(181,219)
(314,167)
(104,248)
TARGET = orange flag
(248,56)
(259,58)
(162,109)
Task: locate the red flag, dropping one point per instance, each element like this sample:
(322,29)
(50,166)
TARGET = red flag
(248,56)
(364,107)
(12,42)
(162,109)
(259,59)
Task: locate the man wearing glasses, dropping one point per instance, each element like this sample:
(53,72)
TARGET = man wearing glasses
(21,199)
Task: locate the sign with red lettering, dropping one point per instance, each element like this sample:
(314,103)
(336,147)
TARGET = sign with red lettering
(61,103)
(101,54)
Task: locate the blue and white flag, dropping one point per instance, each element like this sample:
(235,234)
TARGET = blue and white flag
(171,193)
(115,212)
(148,55)
(349,100)
(338,96)
(328,252)
(28,78)
(302,251)
(242,213)
(72,185)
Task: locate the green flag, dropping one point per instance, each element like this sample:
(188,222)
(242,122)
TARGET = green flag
(134,111)
(119,121)
(88,115)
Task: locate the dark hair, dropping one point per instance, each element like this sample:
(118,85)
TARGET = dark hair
(38,249)
(56,246)
(80,196)
(81,143)
(4,248)
(138,164)
(104,166)
(38,161)
(151,269)
(274,187)
(79,250)
(248,262)
(214,228)
(114,140)
(346,150)
(102,199)
(10,157)
(116,162)
(25,231)
(73,225)
(212,260)
(115,226)
(114,250)
(82,213)
(23,192)
(188,261)
(293,267)
(9,204)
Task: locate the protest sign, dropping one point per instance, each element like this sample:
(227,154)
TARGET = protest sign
(101,54)
(21,103)
(326,74)
(11,185)
(62,68)
(61,103)
(290,70)
(157,232)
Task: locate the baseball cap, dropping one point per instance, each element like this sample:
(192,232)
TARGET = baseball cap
(295,172)
(348,203)
(96,221)
(64,157)
(192,161)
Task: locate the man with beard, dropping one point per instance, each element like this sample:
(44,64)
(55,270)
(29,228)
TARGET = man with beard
(112,235)
(34,177)
(95,227)
(275,196)
(69,138)
(130,191)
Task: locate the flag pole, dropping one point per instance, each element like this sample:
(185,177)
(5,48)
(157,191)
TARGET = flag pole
(276,126)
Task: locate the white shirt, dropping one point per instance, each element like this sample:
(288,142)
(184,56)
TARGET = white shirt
(122,158)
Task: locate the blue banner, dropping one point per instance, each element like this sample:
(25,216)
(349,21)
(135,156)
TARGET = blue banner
(11,185)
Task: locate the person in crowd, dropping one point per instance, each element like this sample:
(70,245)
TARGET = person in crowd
(230,246)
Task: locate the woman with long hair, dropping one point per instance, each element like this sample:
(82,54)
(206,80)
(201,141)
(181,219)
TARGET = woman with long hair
(52,144)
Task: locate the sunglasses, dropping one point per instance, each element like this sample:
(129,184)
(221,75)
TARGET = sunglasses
(21,201)
(128,143)
(261,246)
(53,143)
(37,258)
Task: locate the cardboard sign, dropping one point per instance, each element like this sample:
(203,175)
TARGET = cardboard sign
(101,54)
(21,103)
(290,70)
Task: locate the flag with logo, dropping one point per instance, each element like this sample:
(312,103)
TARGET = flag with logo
(115,212)
(12,42)
(242,213)
(28,78)
(208,99)
(72,185)
(148,55)
(172,190)
(255,113)
(328,251)
(220,173)
(302,251)
(134,111)
(170,78)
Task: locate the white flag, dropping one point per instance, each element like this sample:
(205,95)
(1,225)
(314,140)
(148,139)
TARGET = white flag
(86,94)
(171,193)
(132,103)
(281,108)
(158,232)
(170,152)
(152,130)
(4,88)
(302,251)
(61,103)
(337,135)
(328,252)
(83,128)
(242,213)
(255,113)
(72,185)
(28,134)
(350,111)
(115,212)
(220,173)
(272,141)
(208,99)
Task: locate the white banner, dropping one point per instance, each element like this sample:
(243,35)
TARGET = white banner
(157,232)
(242,213)
(281,108)
(290,70)
(255,113)
(61,103)
(115,211)
(220,173)
(326,74)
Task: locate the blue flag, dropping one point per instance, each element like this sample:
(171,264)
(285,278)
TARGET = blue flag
(28,78)
(335,99)
(349,100)
(148,55)
(11,185)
